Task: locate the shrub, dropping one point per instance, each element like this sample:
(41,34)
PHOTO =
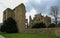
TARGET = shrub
(39,25)
(9,26)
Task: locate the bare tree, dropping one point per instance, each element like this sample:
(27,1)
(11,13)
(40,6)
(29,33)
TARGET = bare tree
(54,13)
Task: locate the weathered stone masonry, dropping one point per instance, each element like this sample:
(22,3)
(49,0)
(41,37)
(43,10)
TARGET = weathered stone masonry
(18,14)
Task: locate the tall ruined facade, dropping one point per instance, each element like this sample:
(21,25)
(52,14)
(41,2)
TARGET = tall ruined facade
(38,19)
(8,13)
(30,22)
(18,14)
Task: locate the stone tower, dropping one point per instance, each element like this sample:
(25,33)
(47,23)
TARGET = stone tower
(18,14)
(8,13)
(20,17)
(30,22)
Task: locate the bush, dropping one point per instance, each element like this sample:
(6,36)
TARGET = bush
(39,25)
(9,26)
(58,24)
(52,25)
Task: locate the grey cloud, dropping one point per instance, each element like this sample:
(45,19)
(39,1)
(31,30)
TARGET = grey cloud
(43,6)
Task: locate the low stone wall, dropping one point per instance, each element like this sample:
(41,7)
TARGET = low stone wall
(45,31)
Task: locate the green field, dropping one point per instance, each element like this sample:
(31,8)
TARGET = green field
(17,35)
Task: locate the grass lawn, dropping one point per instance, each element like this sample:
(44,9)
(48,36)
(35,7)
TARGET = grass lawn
(17,35)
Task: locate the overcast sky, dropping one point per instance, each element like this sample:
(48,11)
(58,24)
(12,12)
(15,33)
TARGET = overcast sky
(32,6)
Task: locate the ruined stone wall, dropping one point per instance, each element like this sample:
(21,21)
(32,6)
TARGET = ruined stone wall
(8,13)
(45,31)
(40,18)
(47,21)
(20,17)
(18,14)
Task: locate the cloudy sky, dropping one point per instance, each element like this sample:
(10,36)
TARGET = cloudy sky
(32,6)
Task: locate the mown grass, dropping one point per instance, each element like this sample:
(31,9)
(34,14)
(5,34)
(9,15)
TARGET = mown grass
(17,35)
